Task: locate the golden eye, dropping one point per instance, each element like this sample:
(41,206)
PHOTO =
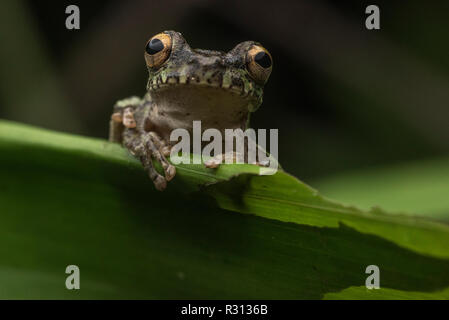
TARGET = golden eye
(259,63)
(158,50)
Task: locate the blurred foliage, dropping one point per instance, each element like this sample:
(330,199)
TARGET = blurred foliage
(415,188)
(342,97)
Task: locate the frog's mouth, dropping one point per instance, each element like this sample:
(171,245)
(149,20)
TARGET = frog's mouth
(229,88)
(235,88)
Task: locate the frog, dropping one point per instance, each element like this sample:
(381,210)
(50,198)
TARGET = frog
(221,89)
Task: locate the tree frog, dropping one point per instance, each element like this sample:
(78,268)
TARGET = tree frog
(219,88)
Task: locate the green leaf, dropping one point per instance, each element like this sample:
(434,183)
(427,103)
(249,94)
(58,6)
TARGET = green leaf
(214,233)
(412,188)
(357,293)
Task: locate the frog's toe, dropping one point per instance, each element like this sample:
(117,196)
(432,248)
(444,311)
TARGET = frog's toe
(214,162)
(211,164)
(160,183)
(155,146)
(128,118)
(228,158)
(117,117)
(263,163)
(170,172)
(166,151)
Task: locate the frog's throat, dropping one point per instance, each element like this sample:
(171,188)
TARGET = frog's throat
(177,107)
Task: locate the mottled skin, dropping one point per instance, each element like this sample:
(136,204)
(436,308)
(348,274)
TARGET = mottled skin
(192,84)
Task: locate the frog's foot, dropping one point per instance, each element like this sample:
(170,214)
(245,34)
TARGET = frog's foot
(144,148)
(158,149)
(125,116)
(264,163)
(138,149)
(232,157)
(124,111)
(159,181)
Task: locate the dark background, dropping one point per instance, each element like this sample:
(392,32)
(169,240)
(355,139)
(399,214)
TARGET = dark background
(343,97)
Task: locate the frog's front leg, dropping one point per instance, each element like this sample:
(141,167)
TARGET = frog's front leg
(146,146)
(160,150)
(123,117)
(127,127)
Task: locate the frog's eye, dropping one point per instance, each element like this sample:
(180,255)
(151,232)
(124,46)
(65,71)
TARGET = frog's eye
(259,63)
(158,50)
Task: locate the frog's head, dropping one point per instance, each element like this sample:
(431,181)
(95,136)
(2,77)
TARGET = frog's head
(232,80)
